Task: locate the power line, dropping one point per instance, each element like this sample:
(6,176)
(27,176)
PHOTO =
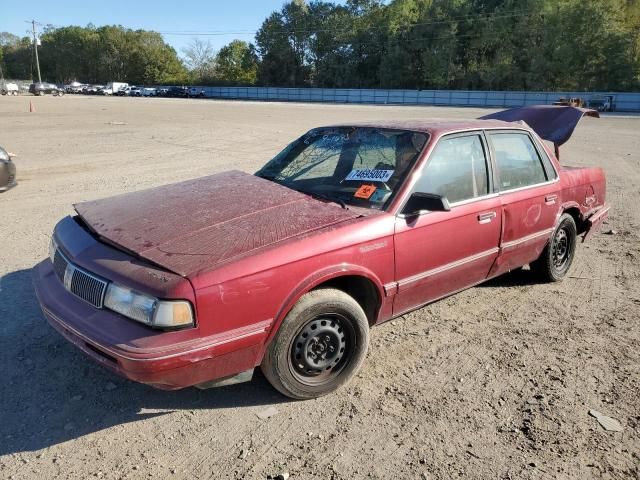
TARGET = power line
(488,16)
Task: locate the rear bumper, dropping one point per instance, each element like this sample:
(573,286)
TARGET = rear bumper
(595,221)
(171,367)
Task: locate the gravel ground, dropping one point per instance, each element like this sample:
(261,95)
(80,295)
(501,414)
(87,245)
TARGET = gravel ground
(495,382)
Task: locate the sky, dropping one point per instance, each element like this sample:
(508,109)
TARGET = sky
(192,18)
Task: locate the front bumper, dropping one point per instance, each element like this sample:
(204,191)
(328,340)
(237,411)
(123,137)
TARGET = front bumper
(7,176)
(138,353)
(9,186)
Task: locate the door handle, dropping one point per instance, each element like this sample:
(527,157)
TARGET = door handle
(486,217)
(550,199)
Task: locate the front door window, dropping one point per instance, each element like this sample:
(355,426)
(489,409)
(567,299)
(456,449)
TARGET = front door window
(457,170)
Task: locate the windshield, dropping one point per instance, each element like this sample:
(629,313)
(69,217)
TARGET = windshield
(362,166)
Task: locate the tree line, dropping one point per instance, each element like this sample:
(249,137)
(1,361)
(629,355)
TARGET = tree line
(414,44)
(95,55)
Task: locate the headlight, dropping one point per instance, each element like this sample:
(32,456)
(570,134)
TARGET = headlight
(4,156)
(147,309)
(53,246)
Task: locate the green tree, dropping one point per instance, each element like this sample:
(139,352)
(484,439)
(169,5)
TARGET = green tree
(98,55)
(237,63)
(464,44)
(282,43)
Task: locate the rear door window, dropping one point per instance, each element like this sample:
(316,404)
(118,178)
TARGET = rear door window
(519,164)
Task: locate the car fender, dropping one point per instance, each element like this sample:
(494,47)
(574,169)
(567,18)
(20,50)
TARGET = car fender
(566,206)
(316,279)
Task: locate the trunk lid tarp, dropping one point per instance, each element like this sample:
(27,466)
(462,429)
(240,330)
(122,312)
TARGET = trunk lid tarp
(552,123)
(195,225)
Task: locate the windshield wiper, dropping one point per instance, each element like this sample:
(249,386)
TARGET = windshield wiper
(321,196)
(327,198)
(266,176)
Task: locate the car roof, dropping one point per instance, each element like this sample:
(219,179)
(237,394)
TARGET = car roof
(434,126)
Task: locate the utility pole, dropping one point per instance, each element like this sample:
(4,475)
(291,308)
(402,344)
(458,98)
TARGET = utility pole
(35,48)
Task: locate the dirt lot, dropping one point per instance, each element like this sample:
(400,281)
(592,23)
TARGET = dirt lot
(495,382)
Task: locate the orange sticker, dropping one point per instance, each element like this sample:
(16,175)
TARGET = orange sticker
(365,191)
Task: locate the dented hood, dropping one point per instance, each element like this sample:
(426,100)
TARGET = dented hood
(195,225)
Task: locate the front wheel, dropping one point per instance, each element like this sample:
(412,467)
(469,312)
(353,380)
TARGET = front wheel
(320,345)
(556,258)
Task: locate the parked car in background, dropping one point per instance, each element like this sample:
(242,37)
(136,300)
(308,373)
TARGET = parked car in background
(74,87)
(7,171)
(135,92)
(197,92)
(112,88)
(602,103)
(148,92)
(177,92)
(354,224)
(125,92)
(45,88)
(162,91)
(9,89)
(92,89)
(570,102)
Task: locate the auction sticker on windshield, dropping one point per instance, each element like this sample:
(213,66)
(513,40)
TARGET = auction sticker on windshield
(370,175)
(365,191)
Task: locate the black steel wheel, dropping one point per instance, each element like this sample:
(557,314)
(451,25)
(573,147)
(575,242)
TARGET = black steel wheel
(322,348)
(320,345)
(556,258)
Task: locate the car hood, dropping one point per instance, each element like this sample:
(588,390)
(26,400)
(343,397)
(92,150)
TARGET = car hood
(196,225)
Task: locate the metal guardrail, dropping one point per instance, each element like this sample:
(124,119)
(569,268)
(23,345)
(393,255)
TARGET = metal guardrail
(624,102)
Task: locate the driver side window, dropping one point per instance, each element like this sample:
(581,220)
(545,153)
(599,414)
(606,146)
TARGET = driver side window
(457,169)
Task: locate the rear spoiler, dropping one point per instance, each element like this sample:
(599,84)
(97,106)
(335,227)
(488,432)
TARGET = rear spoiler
(552,123)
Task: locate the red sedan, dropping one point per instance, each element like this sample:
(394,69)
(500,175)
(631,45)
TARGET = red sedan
(199,282)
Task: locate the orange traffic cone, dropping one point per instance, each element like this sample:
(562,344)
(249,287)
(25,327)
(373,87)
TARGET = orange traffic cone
(31,107)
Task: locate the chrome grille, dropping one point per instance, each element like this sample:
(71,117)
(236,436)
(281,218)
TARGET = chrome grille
(87,287)
(60,265)
(81,283)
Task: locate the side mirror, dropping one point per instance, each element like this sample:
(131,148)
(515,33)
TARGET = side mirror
(420,202)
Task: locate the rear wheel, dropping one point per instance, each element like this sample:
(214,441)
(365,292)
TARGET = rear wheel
(556,258)
(320,345)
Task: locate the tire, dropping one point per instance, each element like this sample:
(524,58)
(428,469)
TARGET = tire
(321,345)
(556,258)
